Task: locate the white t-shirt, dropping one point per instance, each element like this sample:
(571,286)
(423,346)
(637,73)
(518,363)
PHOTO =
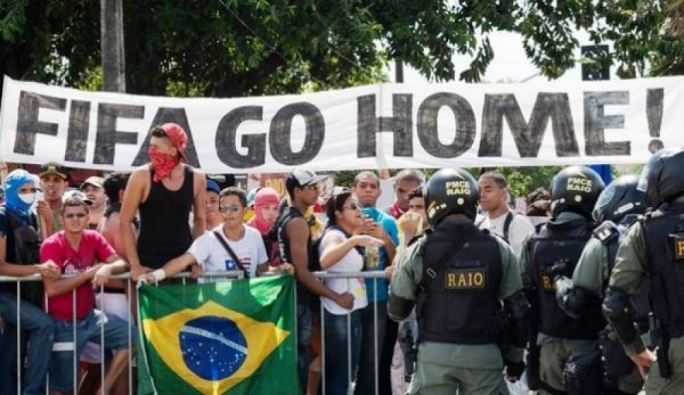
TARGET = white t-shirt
(519,229)
(350,263)
(209,252)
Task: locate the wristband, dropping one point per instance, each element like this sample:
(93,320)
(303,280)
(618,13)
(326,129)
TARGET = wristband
(159,275)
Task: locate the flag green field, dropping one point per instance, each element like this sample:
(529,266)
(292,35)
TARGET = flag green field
(233,336)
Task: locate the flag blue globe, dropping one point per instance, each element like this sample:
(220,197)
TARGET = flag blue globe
(213,347)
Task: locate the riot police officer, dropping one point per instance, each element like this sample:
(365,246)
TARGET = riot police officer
(553,250)
(618,206)
(654,247)
(457,276)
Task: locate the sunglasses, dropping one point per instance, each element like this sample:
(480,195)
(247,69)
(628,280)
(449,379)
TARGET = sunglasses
(352,206)
(229,207)
(75,215)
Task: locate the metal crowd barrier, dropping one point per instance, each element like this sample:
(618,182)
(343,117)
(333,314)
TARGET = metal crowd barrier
(130,287)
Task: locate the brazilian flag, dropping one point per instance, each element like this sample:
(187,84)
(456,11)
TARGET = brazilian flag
(233,336)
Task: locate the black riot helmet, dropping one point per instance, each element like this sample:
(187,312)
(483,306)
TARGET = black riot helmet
(575,189)
(663,177)
(451,191)
(620,198)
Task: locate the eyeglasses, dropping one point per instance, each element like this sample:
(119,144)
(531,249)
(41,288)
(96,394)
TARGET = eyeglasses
(229,207)
(312,187)
(75,215)
(352,206)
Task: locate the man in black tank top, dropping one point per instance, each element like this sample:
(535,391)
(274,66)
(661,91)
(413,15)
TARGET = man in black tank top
(164,191)
(294,239)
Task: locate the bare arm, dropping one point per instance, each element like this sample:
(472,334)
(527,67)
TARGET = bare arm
(174,266)
(298,234)
(199,208)
(57,286)
(47,269)
(178,264)
(116,264)
(335,247)
(133,196)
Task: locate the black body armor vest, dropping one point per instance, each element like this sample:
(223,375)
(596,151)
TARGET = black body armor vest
(462,274)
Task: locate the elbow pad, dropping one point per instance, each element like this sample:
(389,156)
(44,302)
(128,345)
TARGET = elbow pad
(618,310)
(518,311)
(399,308)
(577,300)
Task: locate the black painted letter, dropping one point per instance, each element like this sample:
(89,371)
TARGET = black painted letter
(528,137)
(595,122)
(281,133)
(464,125)
(28,124)
(226,139)
(369,124)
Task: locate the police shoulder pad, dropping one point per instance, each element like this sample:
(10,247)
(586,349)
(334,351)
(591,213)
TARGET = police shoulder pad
(606,232)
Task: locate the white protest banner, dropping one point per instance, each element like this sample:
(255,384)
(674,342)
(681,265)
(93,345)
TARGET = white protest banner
(375,126)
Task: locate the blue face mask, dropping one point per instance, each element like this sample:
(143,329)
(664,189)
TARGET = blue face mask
(15,180)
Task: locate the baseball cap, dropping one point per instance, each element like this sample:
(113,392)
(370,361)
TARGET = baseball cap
(76,194)
(213,186)
(53,168)
(97,182)
(177,135)
(301,178)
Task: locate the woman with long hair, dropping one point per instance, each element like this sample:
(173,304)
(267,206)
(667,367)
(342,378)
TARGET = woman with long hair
(341,251)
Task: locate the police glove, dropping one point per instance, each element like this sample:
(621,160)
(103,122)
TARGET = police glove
(514,370)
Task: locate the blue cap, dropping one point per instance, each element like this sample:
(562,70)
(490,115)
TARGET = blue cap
(213,186)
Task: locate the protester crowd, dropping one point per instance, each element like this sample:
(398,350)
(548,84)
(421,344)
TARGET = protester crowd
(539,281)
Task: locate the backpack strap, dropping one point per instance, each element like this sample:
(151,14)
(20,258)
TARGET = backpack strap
(507,225)
(230,251)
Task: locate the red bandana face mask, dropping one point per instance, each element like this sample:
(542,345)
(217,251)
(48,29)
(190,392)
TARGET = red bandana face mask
(162,163)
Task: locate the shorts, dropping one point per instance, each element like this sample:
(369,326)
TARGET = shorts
(88,329)
(112,304)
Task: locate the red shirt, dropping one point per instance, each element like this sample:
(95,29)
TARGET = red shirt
(92,250)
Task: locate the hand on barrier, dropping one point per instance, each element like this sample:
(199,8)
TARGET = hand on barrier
(101,275)
(152,278)
(137,271)
(285,268)
(389,271)
(196,271)
(48,269)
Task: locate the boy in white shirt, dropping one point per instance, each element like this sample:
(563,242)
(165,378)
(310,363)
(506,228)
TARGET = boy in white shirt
(230,246)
